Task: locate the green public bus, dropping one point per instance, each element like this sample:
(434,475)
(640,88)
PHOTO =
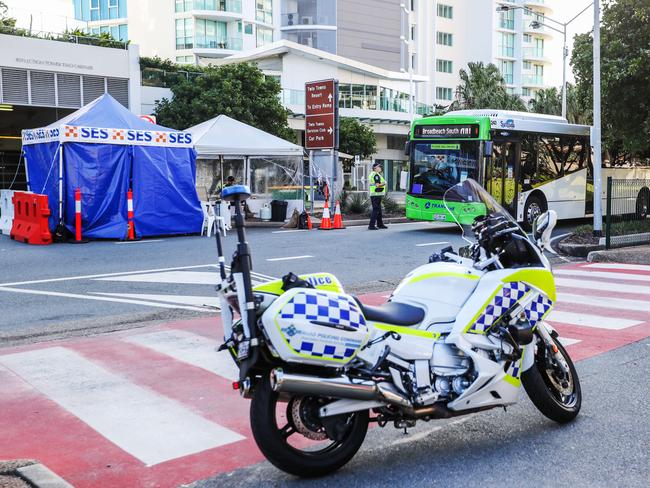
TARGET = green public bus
(528,162)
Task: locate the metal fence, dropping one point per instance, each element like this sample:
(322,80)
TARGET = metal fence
(627,211)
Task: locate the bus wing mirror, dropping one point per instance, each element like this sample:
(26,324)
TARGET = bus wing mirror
(407,148)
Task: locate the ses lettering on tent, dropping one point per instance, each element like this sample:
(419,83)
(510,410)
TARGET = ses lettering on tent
(111,136)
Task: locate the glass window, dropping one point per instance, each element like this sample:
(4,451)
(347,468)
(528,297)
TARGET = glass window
(94,10)
(437,166)
(443,93)
(525,92)
(264,11)
(113,8)
(115,32)
(444,38)
(507,19)
(124,32)
(183,5)
(444,66)
(528,38)
(507,71)
(264,36)
(527,65)
(507,44)
(184,34)
(445,11)
(248,28)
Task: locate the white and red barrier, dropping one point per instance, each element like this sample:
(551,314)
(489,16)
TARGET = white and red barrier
(77,214)
(129,200)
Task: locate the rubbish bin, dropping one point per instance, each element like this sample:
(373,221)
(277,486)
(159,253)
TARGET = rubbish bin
(279,210)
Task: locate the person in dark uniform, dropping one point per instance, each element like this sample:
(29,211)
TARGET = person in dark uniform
(377,191)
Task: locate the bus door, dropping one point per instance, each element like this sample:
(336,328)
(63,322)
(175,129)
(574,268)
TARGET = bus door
(500,178)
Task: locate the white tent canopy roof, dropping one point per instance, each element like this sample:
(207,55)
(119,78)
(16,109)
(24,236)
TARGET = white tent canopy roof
(223,136)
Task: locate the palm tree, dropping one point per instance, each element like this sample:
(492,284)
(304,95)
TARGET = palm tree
(483,86)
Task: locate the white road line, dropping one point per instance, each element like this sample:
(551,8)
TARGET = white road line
(602,274)
(609,302)
(289,231)
(88,277)
(189,348)
(634,267)
(602,285)
(565,341)
(425,244)
(179,277)
(98,298)
(290,258)
(140,242)
(586,320)
(195,301)
(149,426)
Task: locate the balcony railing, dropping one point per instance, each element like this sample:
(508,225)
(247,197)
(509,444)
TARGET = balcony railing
(230,43)
(299,19)
(87,40)
(290,97)
(165,79)
(533,53)
(533,80)
(233,6)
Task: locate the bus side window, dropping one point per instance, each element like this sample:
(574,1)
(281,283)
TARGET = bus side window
(528,170)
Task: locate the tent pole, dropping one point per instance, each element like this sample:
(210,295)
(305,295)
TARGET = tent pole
(221,173)
(26,171)
(61,184)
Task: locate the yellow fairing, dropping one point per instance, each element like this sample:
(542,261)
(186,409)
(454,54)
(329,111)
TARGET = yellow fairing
(321,281)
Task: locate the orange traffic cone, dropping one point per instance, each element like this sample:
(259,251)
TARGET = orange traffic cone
(326,222)
(338,218)
(309,224)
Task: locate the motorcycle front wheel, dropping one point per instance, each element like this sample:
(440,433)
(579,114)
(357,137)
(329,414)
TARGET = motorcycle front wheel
(293,438)
(555,392)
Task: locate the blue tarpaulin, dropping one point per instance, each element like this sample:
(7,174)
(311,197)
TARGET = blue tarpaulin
(105,150)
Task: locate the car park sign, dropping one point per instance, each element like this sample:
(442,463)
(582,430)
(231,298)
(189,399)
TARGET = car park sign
(321,115)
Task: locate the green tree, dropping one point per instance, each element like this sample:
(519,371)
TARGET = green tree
(549,101)
(240,91)
(625,75)
(356,138)
(482,86)
(6,22)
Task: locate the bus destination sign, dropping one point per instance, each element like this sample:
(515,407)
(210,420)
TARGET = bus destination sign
(456,131)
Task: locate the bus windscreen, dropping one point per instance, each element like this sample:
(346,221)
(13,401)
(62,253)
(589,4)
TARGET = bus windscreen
(435,167)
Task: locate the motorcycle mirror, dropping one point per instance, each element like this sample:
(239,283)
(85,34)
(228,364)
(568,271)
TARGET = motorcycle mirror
(543,228)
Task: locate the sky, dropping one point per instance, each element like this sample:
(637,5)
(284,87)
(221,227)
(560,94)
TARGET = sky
(57,15)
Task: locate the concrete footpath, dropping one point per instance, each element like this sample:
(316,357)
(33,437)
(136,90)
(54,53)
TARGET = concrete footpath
(626,255)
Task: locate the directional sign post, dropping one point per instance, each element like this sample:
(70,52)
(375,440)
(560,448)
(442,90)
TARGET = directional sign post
(322,121)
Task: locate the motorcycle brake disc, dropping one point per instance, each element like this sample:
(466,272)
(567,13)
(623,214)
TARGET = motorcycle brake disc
(304,417)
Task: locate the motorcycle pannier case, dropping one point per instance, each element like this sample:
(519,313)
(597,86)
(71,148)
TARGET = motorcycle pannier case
(316,327)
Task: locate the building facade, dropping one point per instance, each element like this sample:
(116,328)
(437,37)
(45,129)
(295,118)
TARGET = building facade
(448,34)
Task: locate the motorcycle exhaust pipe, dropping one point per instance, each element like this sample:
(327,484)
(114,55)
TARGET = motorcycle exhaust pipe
(338,387)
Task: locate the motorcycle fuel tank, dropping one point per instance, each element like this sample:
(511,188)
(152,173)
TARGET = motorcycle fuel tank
(442,287)
(315,326)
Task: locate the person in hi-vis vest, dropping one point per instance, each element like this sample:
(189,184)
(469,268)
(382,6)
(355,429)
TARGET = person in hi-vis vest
(377,190)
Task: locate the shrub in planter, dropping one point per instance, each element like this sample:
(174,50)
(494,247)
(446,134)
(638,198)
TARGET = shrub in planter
(358,203)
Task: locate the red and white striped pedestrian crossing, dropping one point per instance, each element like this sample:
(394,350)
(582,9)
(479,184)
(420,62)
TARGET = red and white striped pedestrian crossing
(155,406)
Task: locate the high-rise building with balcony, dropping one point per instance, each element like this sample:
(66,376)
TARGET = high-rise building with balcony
(448,34)
(185,31)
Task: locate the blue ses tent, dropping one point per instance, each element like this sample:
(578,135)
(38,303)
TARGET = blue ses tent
(104,150)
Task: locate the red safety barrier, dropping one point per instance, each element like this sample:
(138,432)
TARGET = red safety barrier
(31,219)
(77,214)
(131,230)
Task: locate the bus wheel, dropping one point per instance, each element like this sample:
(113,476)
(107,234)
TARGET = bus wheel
(643,204)
(535,206)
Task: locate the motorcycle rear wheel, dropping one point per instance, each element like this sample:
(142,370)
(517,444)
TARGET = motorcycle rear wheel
(323,456)
(555,394)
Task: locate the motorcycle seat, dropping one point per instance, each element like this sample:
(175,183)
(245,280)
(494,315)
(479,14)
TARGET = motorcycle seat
(393,313)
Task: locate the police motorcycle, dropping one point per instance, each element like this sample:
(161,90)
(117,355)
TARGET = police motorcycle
(459,335)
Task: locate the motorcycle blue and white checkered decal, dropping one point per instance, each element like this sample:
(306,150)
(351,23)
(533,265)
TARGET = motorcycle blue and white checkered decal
(323,326)
(537,309)
(322,307)
(503,301)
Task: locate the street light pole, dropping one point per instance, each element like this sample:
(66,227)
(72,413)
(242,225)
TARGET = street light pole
(565,53)
(595,136)
(406,38)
